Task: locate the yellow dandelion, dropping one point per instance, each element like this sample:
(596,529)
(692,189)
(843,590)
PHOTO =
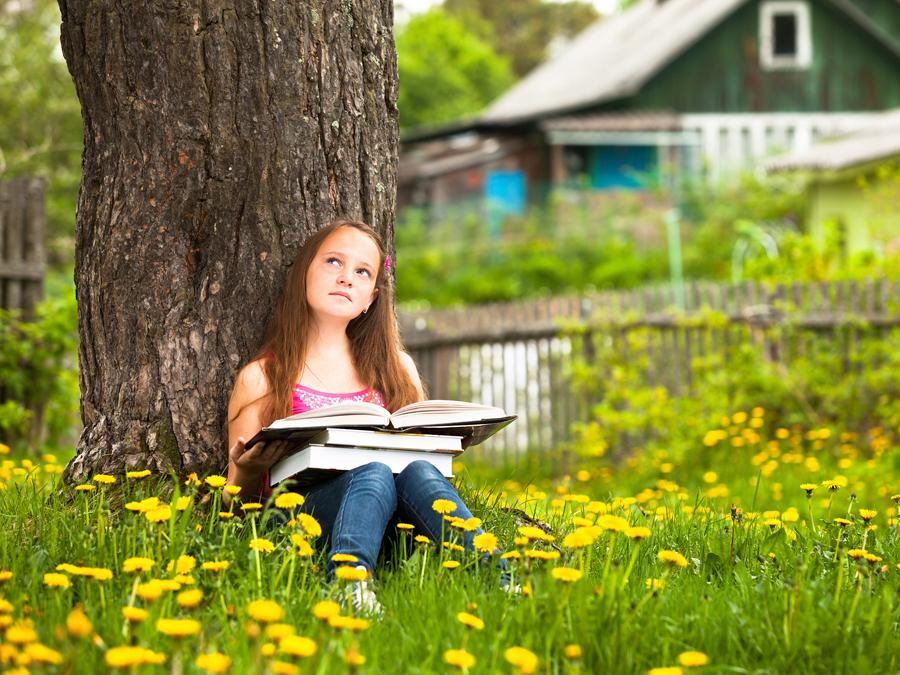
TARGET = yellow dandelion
(572,651)
(303,548)
(21,633)
(693,659)
(265,611)
(56,580)
(470,620)
(524,659)
(459,658)
(309,524)
(137,474)
(262,545)
(178,628)
(132,565)
(834,484)
(535,533)
(450,564)
(226,515)
(233,490)
(637,533)
(5,575)
(867,514)
(808,488)
(104,479)
(353,658)
(135,614)
(297,645)
(580,538)
(289,500)
(251,506)
(538,554)
(566,574)
(277,631)
(350,623)
(77,623)
(612,523)
(132,657)
(213,662)
(39,653)
(283,668)
(444,506)
(215,482)
(215,565)
(192,479)
(344,558)
(189,598)
(326,608)
(422,539)
(405,526)
(183,565)
(672,558)
(843,522)
(182,503)
(347,573)
(666,670)
(159,515)
(511,555)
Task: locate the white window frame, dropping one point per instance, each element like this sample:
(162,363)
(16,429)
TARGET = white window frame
(768,59)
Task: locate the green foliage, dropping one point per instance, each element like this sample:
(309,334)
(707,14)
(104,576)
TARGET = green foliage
(523,31)
(40,117)
(445,71)
(39,373)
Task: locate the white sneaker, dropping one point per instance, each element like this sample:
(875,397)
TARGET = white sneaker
(363,599)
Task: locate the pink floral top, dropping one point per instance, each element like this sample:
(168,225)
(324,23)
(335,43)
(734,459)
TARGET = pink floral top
(305,399)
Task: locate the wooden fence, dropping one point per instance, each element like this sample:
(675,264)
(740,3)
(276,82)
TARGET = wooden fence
(519,355)
(22,251)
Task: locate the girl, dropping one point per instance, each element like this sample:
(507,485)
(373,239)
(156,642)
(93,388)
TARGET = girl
(333,337)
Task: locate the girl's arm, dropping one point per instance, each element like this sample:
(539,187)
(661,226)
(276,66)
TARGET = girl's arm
(410,366)
(245,411)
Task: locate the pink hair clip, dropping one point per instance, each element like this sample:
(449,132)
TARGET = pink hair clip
(388,263)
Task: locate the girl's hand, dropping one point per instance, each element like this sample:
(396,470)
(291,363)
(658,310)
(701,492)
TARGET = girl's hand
(258,458)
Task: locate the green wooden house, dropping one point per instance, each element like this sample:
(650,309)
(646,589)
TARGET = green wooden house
(705,87)
(853,185)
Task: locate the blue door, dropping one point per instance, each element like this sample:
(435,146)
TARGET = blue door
(622,166)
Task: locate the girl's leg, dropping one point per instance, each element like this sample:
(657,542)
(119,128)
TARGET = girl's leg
(418,486)
(353,510)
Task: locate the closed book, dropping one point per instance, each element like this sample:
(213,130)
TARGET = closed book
(367,438)
(317,462)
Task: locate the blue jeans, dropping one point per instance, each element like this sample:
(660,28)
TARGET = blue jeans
(354,509)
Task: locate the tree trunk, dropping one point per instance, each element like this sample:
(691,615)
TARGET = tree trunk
(217,137)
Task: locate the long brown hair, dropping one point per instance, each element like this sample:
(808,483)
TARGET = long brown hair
(374,338)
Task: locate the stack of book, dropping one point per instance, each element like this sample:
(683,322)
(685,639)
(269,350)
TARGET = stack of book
(337,438)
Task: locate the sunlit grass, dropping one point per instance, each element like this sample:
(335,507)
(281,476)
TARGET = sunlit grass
(761,549)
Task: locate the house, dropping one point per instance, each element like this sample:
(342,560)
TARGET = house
(667,88)
(853,184)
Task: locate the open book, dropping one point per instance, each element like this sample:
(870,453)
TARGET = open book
(472,422)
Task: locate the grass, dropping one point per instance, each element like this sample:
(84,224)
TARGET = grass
(716,555)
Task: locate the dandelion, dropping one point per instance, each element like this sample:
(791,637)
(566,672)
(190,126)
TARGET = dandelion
(535,533)
(85,487)
(572,651)
(693,659)
(450,564)
(134,614)
(834,484)
(354,659)
(289,500)
(251,506)
(226,515)
(215,565)
(405,526)
(284,668)
(178,628)
(192,479)
(326,608)
(672,558)
(566,574)
(511,555)
(189,598)
(137,475)
(637,533)
(213,662)
(808,488)
(297,645)
(132,565)
(867,514)
(104,479)
(5,606)
(303,548)
(233,490)
(857,553)
(537,554)
(56,580)
(309,524)
(347,573)
(524,659)
(278,631)
(667,670)
(183,565)
(580,538)
(215,482)
(344,558)
(348,623)
(612,523)
(160,514)
(132,657)
(444,506)
(470,620)
(182,503)
(39,653)
(459,658)
(422,539)
(843,522)
(265,611)
(5,575)
(21,633)
(453,547)
(262,545)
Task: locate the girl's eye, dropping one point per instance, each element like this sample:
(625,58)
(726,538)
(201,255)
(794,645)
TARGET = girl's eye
(332,261)
(364,271)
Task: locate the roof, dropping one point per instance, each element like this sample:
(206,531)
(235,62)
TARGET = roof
(876,141)
(618,121)
(616,56)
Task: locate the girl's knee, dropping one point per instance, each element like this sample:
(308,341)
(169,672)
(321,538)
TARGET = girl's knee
(418,472)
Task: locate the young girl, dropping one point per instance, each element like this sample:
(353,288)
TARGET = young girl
(333,337)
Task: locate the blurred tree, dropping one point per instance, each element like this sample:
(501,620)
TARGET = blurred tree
(446,71)
(40,119)
(524,30)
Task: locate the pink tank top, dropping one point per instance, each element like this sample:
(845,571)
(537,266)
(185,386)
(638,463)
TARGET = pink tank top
(305,399)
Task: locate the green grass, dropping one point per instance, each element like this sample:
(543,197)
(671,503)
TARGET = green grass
(765,588)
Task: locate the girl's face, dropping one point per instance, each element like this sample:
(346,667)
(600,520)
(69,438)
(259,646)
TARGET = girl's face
(340,281)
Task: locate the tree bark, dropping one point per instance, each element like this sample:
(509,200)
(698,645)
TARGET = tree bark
(217,137)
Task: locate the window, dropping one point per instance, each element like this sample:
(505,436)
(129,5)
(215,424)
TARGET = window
(785,40)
